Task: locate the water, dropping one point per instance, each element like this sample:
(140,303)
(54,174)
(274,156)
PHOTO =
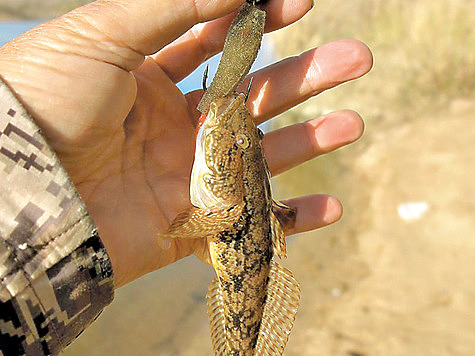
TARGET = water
(193,81)
(11,29)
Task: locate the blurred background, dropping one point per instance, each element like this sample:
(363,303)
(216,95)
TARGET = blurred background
(396,276)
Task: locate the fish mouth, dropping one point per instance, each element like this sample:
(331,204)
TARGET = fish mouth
(200,196)
(220,110)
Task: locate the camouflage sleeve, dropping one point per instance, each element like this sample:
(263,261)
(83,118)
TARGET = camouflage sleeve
(55,275)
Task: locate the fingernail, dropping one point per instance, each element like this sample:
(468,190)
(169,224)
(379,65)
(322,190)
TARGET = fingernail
(338,129)
(334,210)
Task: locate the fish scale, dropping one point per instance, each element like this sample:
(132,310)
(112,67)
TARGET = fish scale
(253,302)
(244,282)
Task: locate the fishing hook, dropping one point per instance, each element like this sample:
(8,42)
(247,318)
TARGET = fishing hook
(205,77)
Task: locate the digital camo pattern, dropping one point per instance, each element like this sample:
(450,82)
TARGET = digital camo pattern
(55,275)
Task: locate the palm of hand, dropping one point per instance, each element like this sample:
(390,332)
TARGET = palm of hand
(142,183)
(131,164)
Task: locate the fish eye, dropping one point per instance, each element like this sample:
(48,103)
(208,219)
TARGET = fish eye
(242,141)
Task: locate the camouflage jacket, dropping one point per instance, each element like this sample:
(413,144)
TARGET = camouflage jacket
(55,275)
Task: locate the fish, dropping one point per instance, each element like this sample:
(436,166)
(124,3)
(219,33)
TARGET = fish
(254,299)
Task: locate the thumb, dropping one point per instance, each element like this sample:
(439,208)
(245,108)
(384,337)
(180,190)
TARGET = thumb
(68,72)
(125,31)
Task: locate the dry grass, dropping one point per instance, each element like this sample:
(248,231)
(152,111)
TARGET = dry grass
(418,104)
(424,58)
(423,50)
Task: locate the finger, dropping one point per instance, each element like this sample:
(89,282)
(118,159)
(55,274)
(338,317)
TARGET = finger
(290,146)
(314,211)
(203,41)
(124,31)
(283,85)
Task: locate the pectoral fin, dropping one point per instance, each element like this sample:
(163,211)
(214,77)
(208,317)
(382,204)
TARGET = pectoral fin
(283,295)
(197,223)
(285,214)
(282,218)
(216,318)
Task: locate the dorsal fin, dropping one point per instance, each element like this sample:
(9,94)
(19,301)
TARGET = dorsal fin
(282,218)
(283,295)
(216,318)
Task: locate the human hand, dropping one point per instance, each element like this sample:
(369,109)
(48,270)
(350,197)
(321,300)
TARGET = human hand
(100,82)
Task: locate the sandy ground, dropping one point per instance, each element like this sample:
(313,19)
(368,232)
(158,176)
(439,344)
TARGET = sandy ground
(383,281)
(382,285)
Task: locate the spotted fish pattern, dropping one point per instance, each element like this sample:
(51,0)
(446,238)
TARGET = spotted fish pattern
(55,274)
(253,302)
(241,255)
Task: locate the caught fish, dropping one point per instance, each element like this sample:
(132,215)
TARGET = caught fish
(253,302)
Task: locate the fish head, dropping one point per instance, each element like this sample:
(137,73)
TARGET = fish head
(224,143)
